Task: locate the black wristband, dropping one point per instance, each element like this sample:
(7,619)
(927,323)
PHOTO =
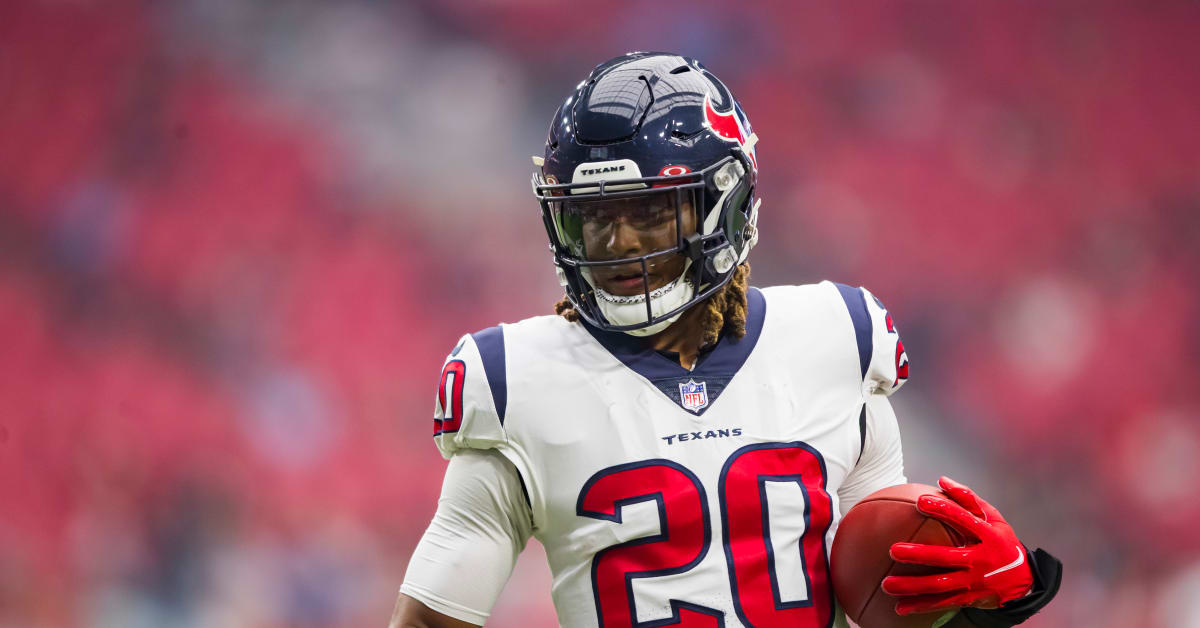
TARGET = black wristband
(1047,576)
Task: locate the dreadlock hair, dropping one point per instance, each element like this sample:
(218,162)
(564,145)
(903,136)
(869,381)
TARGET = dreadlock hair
(724,311)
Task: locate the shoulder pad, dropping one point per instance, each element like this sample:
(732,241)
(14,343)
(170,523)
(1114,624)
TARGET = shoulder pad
(472,394)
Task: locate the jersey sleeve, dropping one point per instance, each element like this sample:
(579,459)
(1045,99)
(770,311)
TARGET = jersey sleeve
(472,394)
(469,549)
(881,463)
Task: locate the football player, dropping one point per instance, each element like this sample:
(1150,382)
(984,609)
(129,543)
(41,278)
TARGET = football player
(682,444)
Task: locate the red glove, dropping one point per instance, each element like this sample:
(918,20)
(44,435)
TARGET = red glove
(985,574)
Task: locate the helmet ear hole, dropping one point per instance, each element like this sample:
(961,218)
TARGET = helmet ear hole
(723,261)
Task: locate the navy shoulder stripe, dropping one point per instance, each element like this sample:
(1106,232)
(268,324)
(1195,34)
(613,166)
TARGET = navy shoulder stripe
(856,303)
(491,350)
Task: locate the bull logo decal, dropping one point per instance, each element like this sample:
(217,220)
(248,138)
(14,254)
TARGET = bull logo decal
(729,127)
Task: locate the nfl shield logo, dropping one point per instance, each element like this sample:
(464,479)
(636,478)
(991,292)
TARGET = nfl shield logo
(692,395)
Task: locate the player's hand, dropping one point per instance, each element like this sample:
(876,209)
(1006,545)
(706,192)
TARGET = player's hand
(984,575)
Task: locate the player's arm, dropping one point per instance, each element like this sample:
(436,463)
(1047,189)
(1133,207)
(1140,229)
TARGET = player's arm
(995,589)
(468,551)
(411,613)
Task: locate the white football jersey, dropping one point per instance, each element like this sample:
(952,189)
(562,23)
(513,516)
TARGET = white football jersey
(665,496)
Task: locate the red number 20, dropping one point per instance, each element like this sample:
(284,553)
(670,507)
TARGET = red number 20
(687,534)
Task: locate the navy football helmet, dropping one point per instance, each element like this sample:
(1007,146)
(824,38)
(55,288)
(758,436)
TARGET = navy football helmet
(655,130)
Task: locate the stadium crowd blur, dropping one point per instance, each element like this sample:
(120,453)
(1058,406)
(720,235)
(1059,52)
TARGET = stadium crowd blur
(237,239)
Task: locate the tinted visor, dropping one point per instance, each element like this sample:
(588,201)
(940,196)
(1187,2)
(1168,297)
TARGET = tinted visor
(623,227)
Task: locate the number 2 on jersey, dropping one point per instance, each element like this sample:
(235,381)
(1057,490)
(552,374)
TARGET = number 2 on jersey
(686,534)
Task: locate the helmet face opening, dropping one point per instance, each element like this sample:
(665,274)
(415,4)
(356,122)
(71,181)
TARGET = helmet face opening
(633,252)
(648,231)
(608,229)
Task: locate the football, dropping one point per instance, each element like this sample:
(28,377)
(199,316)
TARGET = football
(860,559)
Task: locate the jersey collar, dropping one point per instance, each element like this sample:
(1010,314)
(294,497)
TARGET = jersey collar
(714,368)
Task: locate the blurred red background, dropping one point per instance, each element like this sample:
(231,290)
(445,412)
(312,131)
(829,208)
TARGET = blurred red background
(237,239)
